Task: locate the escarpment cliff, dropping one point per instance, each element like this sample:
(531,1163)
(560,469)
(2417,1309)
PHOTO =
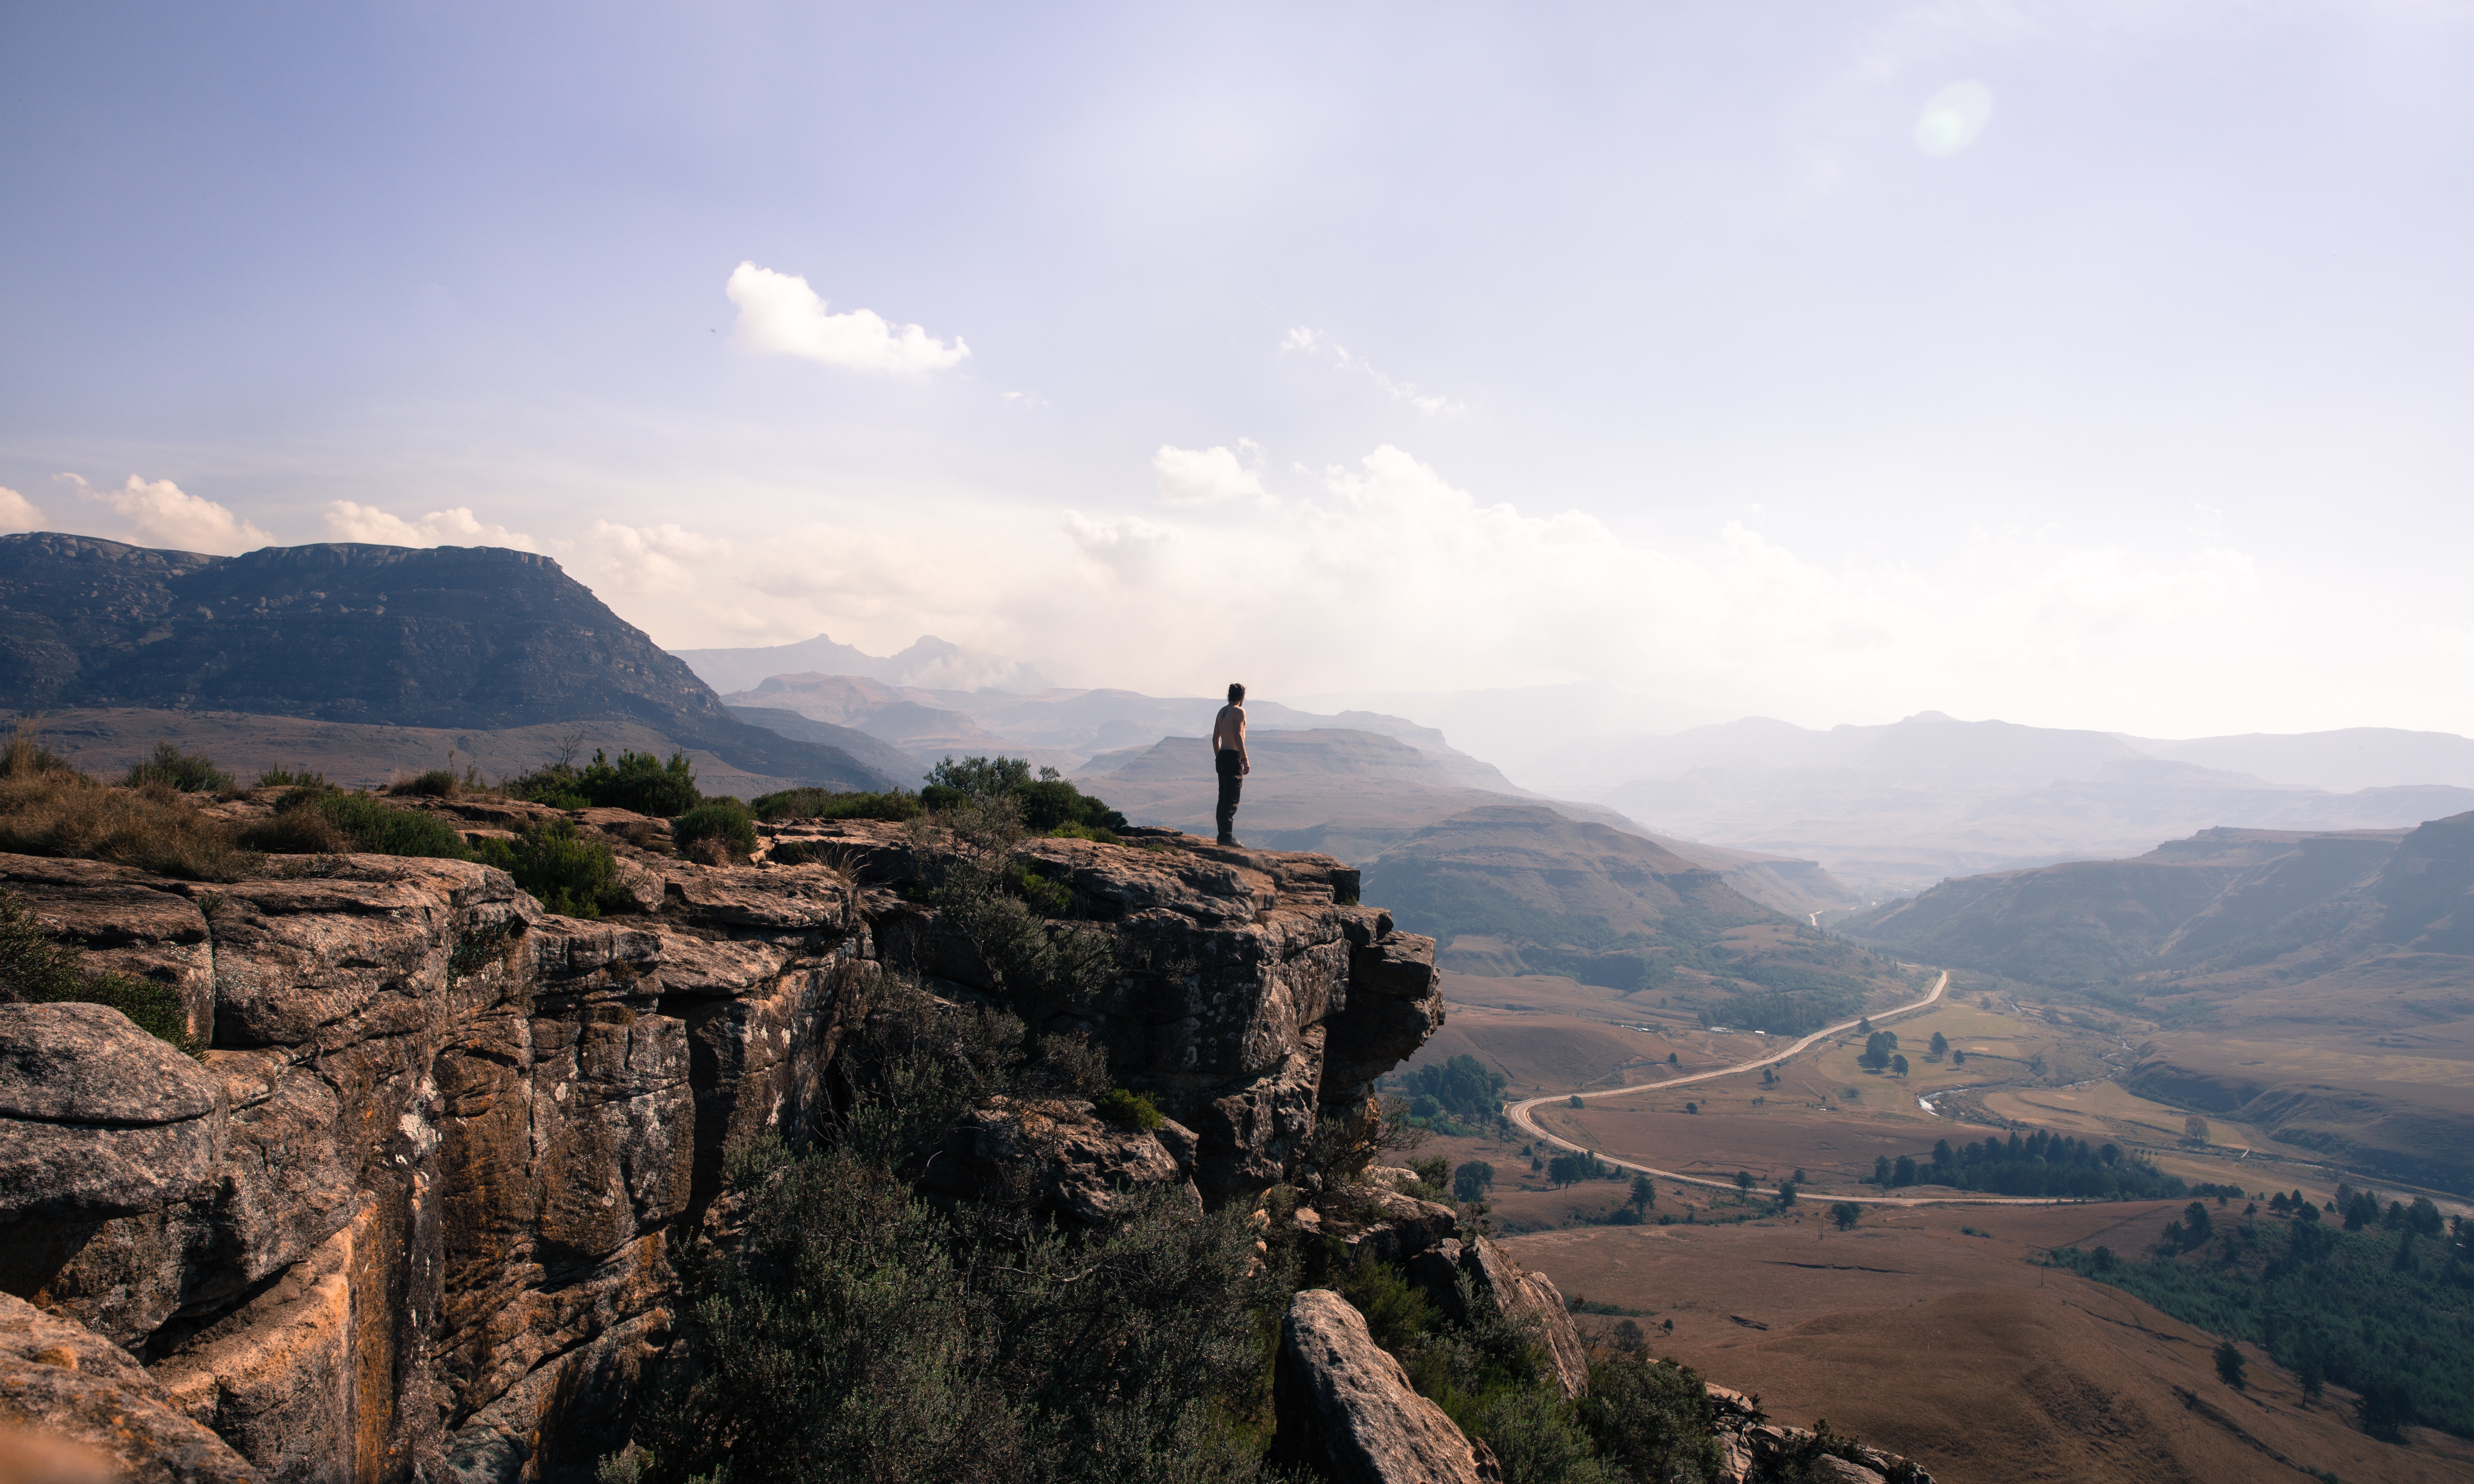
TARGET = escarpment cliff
(415,1210)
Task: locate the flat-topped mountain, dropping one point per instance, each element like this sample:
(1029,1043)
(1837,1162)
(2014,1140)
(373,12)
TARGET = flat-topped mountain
(442,638)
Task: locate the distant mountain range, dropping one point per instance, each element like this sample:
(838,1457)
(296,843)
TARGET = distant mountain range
(1358,795)
(444,639)
(1892,809)
(2319,985)
(929,662)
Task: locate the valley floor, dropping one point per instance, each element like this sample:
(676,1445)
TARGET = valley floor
(1959,1352)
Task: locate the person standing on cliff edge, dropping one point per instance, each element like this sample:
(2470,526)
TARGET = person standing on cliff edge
(1228,758)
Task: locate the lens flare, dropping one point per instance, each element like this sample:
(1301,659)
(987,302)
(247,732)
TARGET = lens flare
(1954,118)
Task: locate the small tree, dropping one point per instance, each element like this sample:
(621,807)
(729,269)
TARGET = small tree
(2194,1130)
(1958,1059)
(1940,1047)
(1744,1183)
(1845,1214)
(1898,1067)
(2229,1365)
(1471,1181)
(1785,1194)
(1644,1193)
(1576,1100)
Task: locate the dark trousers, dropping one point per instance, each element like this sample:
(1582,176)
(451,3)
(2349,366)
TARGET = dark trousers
(1230,782)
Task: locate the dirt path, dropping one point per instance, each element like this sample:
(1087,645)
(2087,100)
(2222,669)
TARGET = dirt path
(1518,1113)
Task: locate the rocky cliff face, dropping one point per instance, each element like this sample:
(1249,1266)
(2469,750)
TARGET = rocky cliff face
(413,1213)
(477,637)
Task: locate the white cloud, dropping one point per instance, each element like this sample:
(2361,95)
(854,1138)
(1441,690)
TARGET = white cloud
(18,513)
(162,514)
(1312,343)
(780,315)
(347,521)
(1125,546)
(1204,476)
(1381,574)
(662,559)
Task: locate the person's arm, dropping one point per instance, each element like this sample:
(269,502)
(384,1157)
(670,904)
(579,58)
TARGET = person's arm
(1244,764)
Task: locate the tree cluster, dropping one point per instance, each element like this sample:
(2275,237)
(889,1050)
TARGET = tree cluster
(2384,1311)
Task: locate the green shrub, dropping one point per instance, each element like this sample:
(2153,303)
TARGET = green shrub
(554,785)
(1134,1109)
(724,826)
(824,804)
(1046,897)
(568,874)
(36,969)
(981,777)
(638,781)
(1053,801)
(316,821)
(190,772)
(1072,831)
(436,783)
(290,777)
(1653,1419)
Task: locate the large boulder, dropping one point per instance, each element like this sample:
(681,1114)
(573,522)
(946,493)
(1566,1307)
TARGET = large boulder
(98,1119)
(63,1384)
(1347,1412)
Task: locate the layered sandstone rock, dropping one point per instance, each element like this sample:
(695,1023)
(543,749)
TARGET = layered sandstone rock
(74,1405)
(1347,1412)
(414,1211)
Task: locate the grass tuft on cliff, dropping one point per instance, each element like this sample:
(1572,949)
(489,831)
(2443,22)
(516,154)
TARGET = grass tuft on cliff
(49,809)
(322,820)
(37,969)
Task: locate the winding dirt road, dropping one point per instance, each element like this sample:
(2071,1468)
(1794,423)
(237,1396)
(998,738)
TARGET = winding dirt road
(1518,1113)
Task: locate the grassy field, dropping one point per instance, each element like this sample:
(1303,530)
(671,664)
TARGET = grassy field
(1930,1332)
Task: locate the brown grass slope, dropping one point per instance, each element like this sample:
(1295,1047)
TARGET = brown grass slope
(1959,1352)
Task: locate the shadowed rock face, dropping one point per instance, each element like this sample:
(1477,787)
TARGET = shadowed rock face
(419,1198)
(452,636)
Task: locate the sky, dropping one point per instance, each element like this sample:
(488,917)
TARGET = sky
(2095,364)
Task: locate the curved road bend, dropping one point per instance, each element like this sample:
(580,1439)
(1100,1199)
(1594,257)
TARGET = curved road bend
(1518,1113)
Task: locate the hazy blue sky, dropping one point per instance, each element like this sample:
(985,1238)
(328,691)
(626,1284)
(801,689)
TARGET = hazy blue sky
(2088,364)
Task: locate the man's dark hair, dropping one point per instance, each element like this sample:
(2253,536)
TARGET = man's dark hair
(1236,692)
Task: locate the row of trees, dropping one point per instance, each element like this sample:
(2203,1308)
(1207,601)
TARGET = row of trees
(2041,1163)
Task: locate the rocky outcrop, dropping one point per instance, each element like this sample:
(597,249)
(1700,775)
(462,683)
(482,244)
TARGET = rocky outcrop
(1346,1411)
(1456,1274)
(1057,1158)
(94,1411)
(413,1210)
(1753,1450)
